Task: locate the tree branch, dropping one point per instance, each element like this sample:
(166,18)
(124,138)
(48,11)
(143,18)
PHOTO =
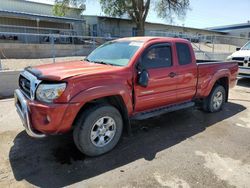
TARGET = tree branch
(146,8)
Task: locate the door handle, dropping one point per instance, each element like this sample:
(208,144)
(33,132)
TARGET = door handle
(172,74)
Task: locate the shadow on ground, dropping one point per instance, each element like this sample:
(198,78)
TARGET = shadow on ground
(55,161)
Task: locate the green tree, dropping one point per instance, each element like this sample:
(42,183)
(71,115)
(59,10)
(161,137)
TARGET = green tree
(138,10)
(61,7)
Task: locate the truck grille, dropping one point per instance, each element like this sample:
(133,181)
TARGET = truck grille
(238,58)
(28,84)
(242,62)
(24,85)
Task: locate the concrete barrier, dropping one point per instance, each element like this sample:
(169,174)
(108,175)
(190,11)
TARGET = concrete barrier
(9,79)
(212,56)
(8,83)
(30,51)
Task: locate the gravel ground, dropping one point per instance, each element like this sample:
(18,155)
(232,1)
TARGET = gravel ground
(18,64)
(187,148)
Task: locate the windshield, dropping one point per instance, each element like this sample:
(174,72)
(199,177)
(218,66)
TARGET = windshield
(246,46)
(116,53)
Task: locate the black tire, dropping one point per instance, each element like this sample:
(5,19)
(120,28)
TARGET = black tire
(85,123)
(208,104)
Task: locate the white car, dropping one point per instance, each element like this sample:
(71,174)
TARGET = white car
(242,56)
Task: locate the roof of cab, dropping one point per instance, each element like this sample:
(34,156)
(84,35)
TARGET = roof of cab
(147,39)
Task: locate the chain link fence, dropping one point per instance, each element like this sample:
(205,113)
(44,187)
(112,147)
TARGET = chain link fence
(18,50)
(210,47)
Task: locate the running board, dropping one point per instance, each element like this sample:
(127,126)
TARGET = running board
(162,110)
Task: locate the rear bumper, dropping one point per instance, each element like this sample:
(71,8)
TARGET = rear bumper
(41,119)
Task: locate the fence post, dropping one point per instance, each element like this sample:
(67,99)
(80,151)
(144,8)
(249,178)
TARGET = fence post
(25,37)
(53,47)
(94,43)
(0,63)
(213,44)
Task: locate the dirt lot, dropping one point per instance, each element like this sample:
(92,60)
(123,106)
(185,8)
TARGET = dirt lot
(188,148)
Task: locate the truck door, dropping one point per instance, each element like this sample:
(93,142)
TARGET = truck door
(161,89)
(186,72)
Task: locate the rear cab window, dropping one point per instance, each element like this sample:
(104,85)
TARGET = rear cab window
(183,53)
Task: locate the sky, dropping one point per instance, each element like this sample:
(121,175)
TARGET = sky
(202,13)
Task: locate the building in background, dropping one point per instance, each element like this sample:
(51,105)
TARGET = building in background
(30,30)
(20,16)
(32,22)
(105,26)
(239,30)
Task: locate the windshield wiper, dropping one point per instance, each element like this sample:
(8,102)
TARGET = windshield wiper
(99,62)
(86,59)
(102,62)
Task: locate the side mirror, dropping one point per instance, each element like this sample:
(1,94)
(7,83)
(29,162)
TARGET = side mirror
(143,78)
(238,49)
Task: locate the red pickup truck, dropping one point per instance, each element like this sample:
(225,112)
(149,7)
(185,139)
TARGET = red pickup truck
(124,79)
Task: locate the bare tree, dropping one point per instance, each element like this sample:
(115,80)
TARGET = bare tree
(137,10)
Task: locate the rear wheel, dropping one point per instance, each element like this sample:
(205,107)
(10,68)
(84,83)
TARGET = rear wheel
(216,99)
(98,130)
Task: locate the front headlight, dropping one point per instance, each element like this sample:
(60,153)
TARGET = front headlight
(49,92)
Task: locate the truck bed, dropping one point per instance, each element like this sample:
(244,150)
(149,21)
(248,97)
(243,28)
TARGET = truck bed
(207,71)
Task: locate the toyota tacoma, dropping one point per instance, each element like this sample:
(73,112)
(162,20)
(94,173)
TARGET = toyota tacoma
(129,78)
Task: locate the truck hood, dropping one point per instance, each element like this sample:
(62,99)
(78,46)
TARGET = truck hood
(241,53)
(61,71)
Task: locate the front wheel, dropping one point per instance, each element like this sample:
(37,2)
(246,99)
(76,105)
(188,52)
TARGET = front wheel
(216,99)
(98,130)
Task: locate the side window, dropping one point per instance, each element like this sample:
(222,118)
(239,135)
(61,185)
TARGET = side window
(183,52)
(157,56)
